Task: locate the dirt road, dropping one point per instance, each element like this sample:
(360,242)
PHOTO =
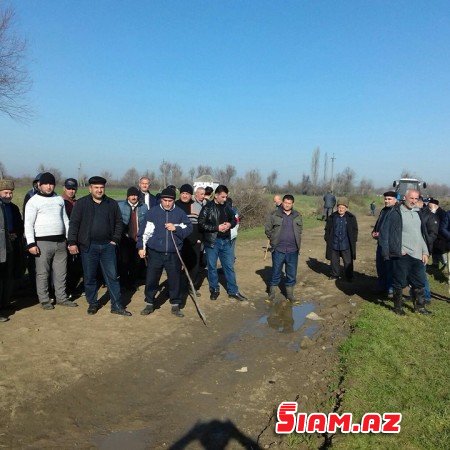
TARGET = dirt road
(72,380)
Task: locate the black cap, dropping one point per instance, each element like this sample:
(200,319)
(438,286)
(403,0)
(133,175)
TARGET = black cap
(187,188)
(168,193)
(97,180)
(390,194)
(71,183)
(37,177)
(435,201)
(132,191)
(47,178)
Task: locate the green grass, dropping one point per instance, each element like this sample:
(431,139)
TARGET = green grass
(399,364)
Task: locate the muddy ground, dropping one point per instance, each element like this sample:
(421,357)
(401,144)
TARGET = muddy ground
(72,380)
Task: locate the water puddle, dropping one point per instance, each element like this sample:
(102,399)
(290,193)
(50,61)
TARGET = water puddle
(286,318)
(118,440)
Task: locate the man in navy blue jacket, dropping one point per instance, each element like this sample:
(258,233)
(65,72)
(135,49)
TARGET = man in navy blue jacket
(166,226)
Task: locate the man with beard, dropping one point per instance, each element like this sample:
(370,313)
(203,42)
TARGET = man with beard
(403,239)
(15,229)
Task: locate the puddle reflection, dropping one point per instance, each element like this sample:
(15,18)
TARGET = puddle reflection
(286,318)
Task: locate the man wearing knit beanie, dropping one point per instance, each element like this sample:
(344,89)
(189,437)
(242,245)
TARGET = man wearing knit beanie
(46,226)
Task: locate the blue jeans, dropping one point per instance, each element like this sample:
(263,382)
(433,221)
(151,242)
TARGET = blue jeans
(290,262)
(223,251)
(105,256)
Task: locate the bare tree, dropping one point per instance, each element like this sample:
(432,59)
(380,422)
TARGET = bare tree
(305,185)
(53,170)
(344,181)
(365,186)
(315,161)
(191,174)
(107,175)
(130,177)
(14,78)
(176,175)
(271,181)
(226,175)
(325,169)
(2,171)
(164,168)
(204,170)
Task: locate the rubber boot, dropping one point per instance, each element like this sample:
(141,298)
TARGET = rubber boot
(398,302)
(272,293)
(290,293)
(419,306)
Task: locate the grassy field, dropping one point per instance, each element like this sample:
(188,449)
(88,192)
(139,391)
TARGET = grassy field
(399,364)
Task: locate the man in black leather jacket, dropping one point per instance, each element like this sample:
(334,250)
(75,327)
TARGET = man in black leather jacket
(215,221)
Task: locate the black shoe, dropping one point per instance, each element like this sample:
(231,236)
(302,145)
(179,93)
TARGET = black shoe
(147,310)
(3,319)
(214,295)
(176,311)
(424,311)
(237,296)
(121,312)
(68,303)
(47,306)
(92,310)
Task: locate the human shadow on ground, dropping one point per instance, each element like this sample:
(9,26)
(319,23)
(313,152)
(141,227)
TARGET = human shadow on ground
(216,435)
(362,285)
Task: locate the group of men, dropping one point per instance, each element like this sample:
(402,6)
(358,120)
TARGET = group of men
(98,237)
(408,233)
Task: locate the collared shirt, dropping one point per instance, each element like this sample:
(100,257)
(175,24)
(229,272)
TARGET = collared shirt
(287,242)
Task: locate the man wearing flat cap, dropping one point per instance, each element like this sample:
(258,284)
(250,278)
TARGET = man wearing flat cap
(15,228)
(384,267)
(166,227)
(341,234)
(133,212)
(94,232)
(46,226)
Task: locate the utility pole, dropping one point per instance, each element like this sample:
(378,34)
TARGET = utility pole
(332,172)
(80,181)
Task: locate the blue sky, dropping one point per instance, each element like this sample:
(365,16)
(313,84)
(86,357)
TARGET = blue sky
(256,84)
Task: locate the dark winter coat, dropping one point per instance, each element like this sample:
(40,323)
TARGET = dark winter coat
(352,233)
(444,231)
(440,244)
(80,224)
(432,225)
(154,235)
(390,238)
(273,227)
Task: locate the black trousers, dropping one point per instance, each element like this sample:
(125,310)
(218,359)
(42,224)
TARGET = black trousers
(191,254)
(129,261)
(407,270)
(346,256)
(158,261)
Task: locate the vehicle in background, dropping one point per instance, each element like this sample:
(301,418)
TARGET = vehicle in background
(403,184)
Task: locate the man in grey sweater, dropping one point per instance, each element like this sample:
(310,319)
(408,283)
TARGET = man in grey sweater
(46,226)
(403,239)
